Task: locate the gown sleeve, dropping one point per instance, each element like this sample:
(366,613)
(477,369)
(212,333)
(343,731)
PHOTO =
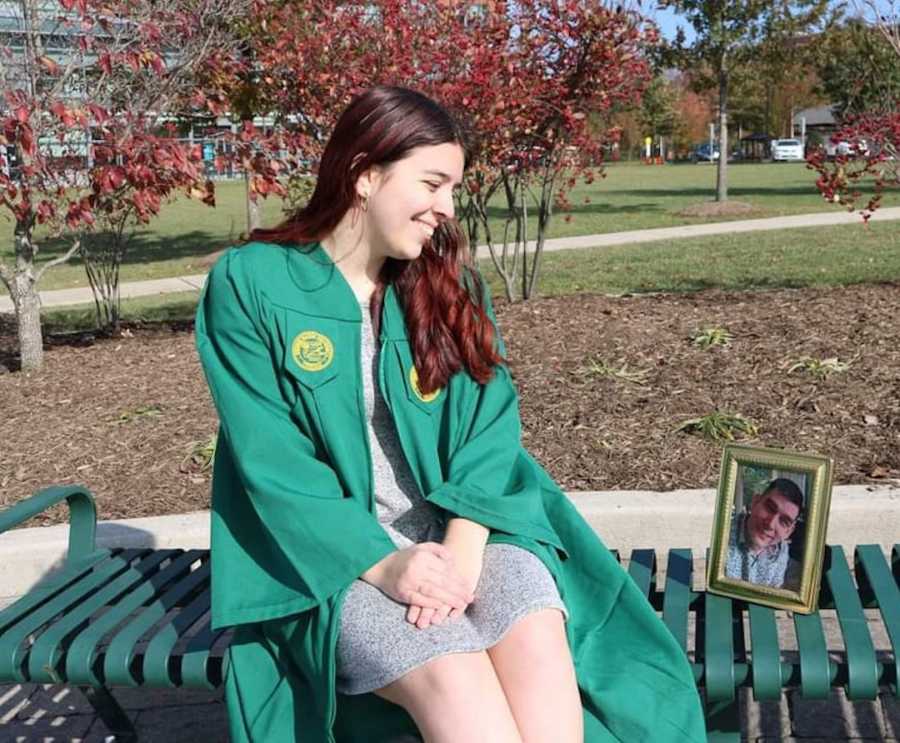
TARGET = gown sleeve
(490,477)
(299,507)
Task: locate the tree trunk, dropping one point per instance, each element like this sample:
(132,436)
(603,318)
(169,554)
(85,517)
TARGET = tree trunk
(27,302)
(722,170)
(253,217)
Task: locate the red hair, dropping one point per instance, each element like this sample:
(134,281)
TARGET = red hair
(440,291)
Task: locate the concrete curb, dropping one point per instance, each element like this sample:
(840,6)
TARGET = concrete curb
(625,520)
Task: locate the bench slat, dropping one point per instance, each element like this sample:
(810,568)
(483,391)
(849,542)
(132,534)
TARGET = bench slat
(767,670)
(718,644)
(122,648)
(159,652)
(47,651)
(642,569)
(12,642)
(677,597)
(46,590)
(196,671)
(873,574)
(817,671)
(863,669)
(84,649)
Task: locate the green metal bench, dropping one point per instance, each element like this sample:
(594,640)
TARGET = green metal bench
(140,617)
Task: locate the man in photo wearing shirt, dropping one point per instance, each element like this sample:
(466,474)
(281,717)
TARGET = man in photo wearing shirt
(758,546)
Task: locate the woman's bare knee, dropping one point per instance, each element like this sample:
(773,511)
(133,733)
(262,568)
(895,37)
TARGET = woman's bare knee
(534,666)
(455,697)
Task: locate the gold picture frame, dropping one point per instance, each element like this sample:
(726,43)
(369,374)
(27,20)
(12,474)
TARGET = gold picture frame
(768,538)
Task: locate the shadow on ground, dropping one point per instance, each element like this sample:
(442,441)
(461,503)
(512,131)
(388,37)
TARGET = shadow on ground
(148,248)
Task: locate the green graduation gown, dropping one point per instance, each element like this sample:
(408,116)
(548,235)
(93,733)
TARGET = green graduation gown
(278,333)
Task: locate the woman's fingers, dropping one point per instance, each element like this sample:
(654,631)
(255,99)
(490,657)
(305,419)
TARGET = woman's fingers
(431,595)
(423,617)
(441,614)
(424,620)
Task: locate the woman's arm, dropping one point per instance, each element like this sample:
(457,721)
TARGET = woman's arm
(296,500)
(465,539)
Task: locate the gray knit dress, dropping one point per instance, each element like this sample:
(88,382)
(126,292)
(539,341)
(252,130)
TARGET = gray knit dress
(376,645)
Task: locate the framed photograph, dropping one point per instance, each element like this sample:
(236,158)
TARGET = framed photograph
(769,529)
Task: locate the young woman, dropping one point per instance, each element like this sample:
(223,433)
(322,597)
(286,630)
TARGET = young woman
(392,559)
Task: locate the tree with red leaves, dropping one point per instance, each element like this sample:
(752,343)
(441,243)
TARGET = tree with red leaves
(82,130)
(522,76)
(867,141)
(557,71)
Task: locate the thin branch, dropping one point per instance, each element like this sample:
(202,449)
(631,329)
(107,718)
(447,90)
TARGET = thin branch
(887,21)
(6,276)
(56,261)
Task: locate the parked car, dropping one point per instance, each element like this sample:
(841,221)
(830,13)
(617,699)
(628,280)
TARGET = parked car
(787,150)
(704,153)
(835,148)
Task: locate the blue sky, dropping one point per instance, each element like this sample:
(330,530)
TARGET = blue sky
(669,22)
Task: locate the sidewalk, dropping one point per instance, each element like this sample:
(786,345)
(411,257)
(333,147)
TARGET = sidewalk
(128,290)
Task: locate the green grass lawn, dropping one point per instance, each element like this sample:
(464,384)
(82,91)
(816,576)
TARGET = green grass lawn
(631,197)
(817,256)
(175,307)
(812,256)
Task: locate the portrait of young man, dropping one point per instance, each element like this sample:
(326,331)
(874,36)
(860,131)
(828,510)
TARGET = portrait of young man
(759,541)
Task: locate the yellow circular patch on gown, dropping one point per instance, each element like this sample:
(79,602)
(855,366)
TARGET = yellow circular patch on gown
(414,381)
(312,351)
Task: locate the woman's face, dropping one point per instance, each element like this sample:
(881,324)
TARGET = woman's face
(410,198)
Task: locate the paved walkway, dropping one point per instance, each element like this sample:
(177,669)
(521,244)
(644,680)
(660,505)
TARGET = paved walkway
(128,290)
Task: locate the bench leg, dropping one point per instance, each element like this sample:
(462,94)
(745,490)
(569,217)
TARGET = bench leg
(723,722)
(108,710)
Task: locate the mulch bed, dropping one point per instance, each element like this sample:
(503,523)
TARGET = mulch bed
(124,415)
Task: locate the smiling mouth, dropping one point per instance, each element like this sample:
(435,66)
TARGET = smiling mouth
(428,229)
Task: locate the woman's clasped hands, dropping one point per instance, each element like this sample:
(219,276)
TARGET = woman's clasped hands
(430,579)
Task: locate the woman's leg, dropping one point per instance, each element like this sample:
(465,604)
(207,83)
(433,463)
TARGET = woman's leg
(456,697)
(535,668)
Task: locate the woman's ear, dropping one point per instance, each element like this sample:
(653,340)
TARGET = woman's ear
(365,183)
(365,180)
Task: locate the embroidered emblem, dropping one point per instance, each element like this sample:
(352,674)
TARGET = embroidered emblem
(312,351)
(414,381)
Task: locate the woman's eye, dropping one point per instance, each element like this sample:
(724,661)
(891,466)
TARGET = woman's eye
(432,186)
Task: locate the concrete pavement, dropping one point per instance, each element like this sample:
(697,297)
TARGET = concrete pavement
(131,289)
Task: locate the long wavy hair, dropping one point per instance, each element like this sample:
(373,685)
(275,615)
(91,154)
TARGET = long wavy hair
(440,291)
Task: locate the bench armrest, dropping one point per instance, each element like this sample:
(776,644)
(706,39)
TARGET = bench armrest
(82,515)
